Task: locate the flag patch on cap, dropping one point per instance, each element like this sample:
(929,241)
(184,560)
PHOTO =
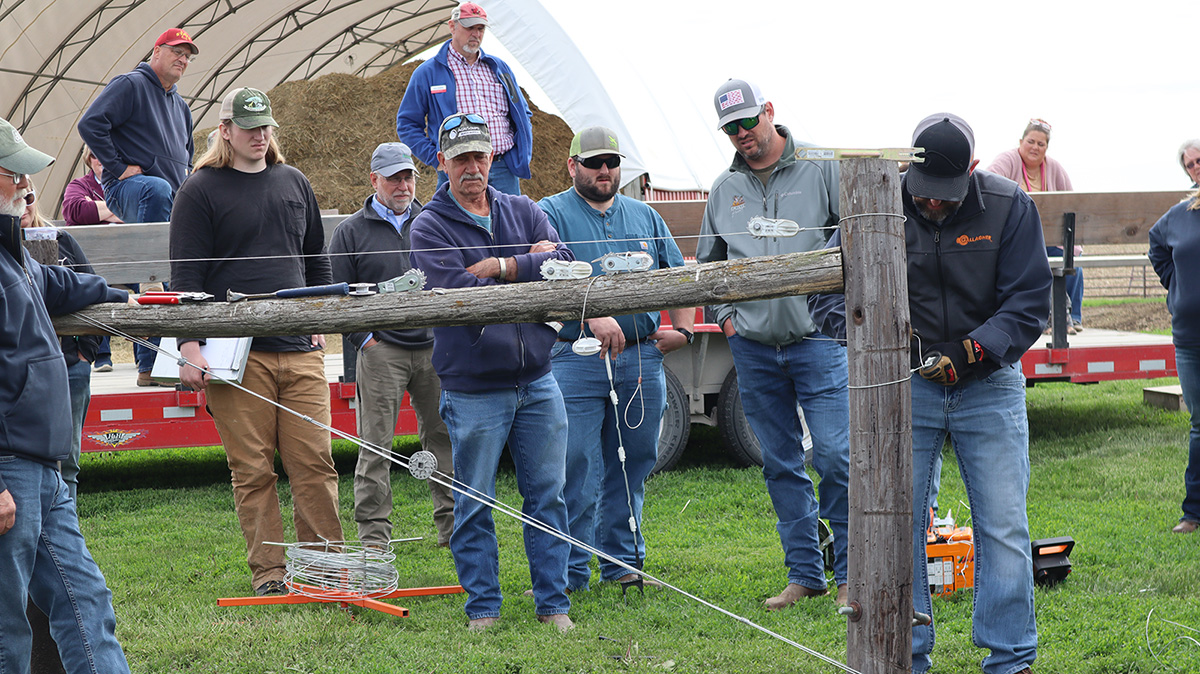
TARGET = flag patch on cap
(731,98)
(437,89)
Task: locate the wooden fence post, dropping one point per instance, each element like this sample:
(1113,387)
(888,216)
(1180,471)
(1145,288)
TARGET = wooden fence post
(879,635)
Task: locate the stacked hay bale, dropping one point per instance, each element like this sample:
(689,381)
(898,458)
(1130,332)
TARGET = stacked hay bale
(330,126)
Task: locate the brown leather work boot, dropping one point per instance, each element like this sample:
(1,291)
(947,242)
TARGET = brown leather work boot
(480,624)
(792,594)
(559,620)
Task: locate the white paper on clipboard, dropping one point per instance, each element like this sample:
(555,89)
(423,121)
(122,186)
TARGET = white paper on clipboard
(226,358)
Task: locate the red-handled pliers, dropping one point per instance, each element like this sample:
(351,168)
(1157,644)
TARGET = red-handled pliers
(167,297)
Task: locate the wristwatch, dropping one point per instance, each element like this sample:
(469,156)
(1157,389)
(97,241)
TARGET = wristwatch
(686,333)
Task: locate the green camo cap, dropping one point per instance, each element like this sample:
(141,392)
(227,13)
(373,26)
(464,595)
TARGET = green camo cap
(248,108)
(16,156)
(594,141)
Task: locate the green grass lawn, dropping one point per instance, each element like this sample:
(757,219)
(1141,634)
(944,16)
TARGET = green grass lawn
(1107,471)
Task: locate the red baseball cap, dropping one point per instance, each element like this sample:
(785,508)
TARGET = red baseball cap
(176,36)
(469,14)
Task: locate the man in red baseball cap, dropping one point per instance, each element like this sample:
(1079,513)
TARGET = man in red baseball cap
(461,78)
(176,36)
(140,129)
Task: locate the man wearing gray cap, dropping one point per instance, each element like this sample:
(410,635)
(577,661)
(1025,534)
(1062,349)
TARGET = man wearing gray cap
(979,295)
(43,556)
(496,381)
(603,487)
(244,201)
(780,359)
(368,247)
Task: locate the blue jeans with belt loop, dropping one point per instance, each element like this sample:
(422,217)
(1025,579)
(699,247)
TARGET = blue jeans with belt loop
(989,431)
(598,507)
(44,558)
(772,380)
(533,421)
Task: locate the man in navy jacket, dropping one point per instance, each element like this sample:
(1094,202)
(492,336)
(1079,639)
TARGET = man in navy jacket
(43,556)
(496,381)
(461,78)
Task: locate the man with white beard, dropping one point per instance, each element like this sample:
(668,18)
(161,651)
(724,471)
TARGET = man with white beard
(43,556)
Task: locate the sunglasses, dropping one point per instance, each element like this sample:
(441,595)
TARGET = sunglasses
(1040,123)
(455,121)
(731,129)
(612,161)
(1192,164)
(16,177)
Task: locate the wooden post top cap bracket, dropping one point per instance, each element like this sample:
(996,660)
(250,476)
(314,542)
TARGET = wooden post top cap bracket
(908,154)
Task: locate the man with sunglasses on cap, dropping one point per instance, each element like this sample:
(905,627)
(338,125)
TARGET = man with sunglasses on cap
(497,386)
(602,487)
(43,556)
(140,129)
(979,295)
(462,78)
(372,246)
(781,360)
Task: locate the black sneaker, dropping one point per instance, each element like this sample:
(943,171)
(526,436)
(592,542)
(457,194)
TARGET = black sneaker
(271,588)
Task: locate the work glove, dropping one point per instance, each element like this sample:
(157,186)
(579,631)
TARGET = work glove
(947,363)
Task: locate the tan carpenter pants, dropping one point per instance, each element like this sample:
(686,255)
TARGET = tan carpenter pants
(252,430)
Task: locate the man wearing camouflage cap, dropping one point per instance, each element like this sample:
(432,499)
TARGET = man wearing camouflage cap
(593,220)
(43,556)
(496,381)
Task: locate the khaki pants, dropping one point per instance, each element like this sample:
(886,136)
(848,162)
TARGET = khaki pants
(385,372)
(252,430)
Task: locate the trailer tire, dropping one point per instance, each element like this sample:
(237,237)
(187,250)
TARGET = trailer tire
(736,433)
(675,427)
(740,440)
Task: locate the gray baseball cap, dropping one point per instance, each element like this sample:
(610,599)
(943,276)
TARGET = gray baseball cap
(464,132)
(392,158)
(248,108)
(949,146)
(594,141)
(737,99)
(18,157)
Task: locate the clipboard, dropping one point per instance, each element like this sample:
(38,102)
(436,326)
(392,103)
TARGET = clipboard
(226,358)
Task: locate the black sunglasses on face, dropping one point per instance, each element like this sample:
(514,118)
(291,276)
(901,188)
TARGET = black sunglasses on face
(612,161)
(731,129)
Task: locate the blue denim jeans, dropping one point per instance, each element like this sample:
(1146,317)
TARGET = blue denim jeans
(989,431)
(1074,284)
(598,506)
(79,377)
(499,177)
(139,198)
(44,558)
(1187,364)
(772,381)
(534,423)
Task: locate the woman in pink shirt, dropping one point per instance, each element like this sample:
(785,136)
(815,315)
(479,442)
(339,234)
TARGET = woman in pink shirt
(1035,172)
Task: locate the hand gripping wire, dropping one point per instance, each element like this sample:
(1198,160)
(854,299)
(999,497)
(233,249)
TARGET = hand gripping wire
(468,491)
